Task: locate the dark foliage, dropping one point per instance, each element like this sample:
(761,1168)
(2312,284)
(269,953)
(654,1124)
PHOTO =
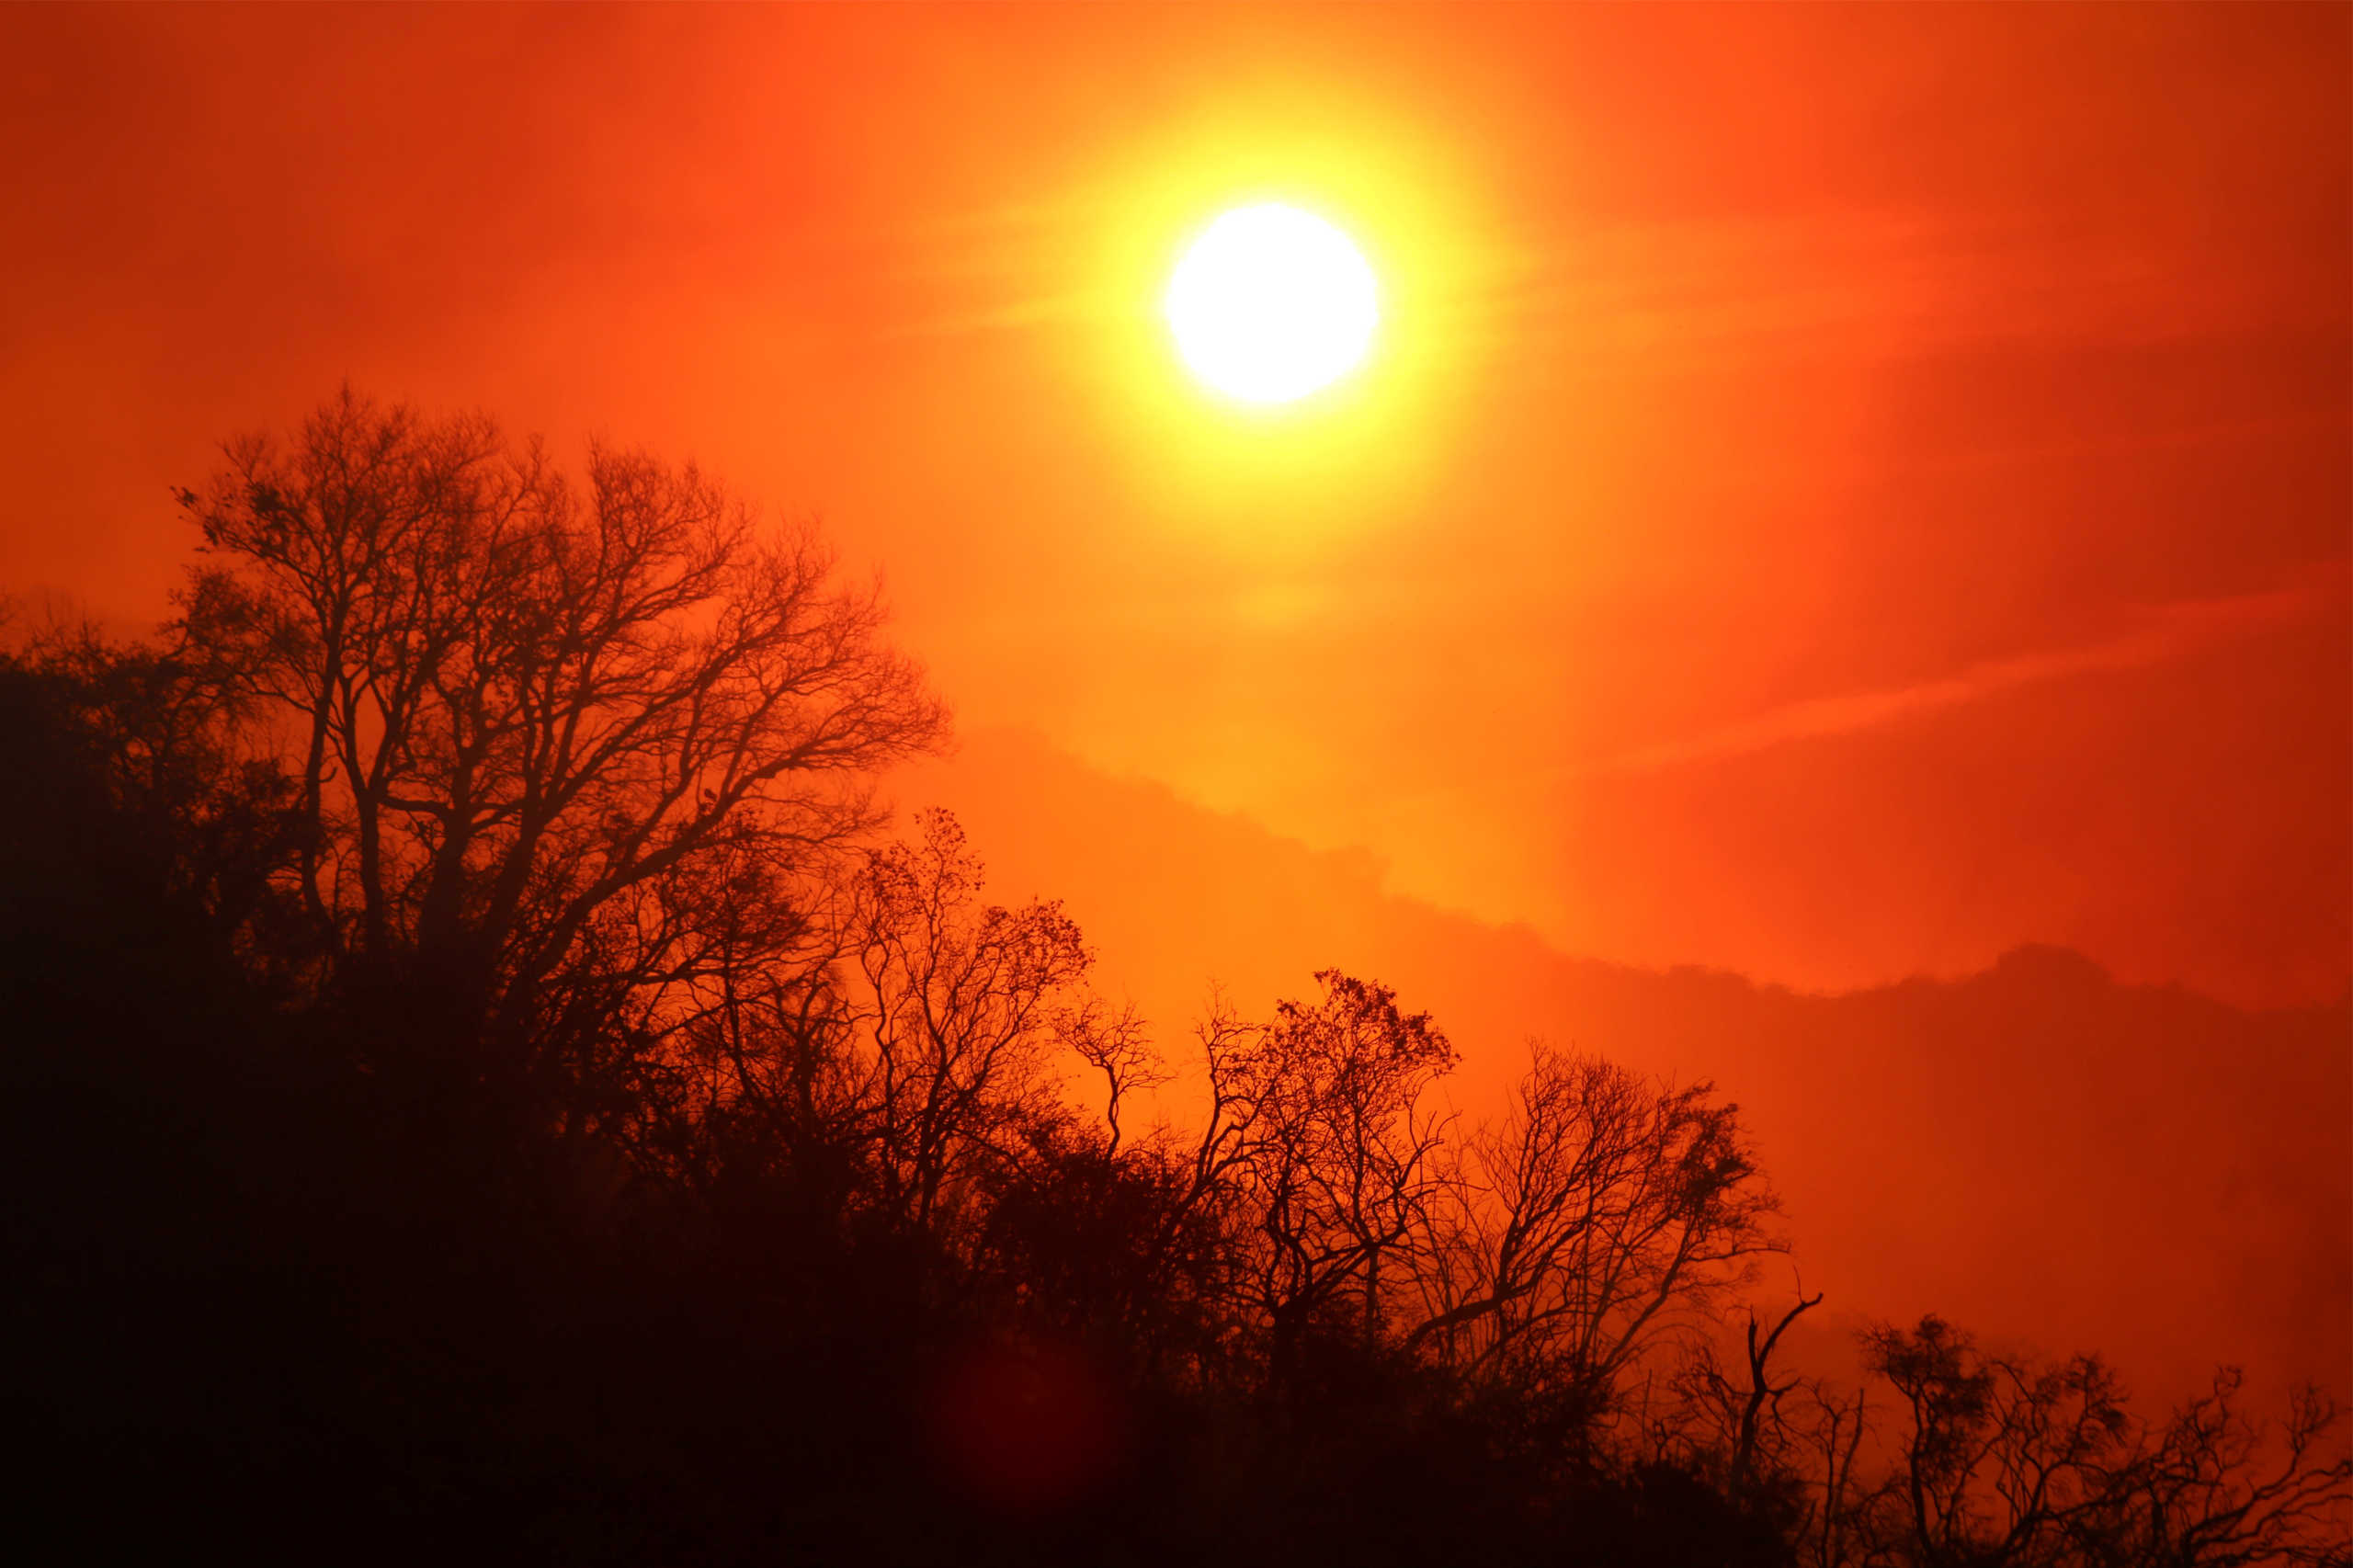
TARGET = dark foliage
(269,1294)
(476,1084)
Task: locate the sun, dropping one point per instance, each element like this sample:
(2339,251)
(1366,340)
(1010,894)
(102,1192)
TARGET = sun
(1272,303)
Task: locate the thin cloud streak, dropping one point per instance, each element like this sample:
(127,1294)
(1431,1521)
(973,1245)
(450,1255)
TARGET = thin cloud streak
(2173,631)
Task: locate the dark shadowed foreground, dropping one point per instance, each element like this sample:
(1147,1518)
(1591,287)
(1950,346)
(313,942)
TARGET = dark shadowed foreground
(478,1083)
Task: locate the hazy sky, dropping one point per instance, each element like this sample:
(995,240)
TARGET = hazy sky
(1839,491)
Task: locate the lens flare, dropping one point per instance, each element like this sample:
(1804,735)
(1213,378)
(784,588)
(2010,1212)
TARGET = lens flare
(1272,303)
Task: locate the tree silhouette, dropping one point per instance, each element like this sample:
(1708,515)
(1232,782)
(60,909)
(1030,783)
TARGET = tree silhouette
(1336,1149)
(2005,1463)
(1573,1231)
(963,1006)
(526,716)
(477,1071)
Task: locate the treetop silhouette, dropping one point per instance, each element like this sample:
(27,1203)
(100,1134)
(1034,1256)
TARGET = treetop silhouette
(542,729)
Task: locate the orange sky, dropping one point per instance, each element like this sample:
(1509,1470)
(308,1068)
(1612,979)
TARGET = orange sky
(1842,492)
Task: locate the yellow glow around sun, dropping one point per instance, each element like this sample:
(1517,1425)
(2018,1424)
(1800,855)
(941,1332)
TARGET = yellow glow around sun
(1272,303)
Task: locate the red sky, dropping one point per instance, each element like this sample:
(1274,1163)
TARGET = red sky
(1842,492)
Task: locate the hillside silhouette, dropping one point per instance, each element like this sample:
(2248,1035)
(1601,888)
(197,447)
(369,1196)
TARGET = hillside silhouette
(487,1074)
(2033,1135)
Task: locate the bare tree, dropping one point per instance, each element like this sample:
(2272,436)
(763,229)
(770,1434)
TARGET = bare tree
(1997,1458)
(964,1008)
(2004,1463)
(524,716)
(1116,1045)
(1600,1210)
(1748,1436)
(2215,1490)
(1780,1441)
(1829,1434)
(766,1079)
(1335,1148)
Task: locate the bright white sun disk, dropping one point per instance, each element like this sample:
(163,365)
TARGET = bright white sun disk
(1271,303)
